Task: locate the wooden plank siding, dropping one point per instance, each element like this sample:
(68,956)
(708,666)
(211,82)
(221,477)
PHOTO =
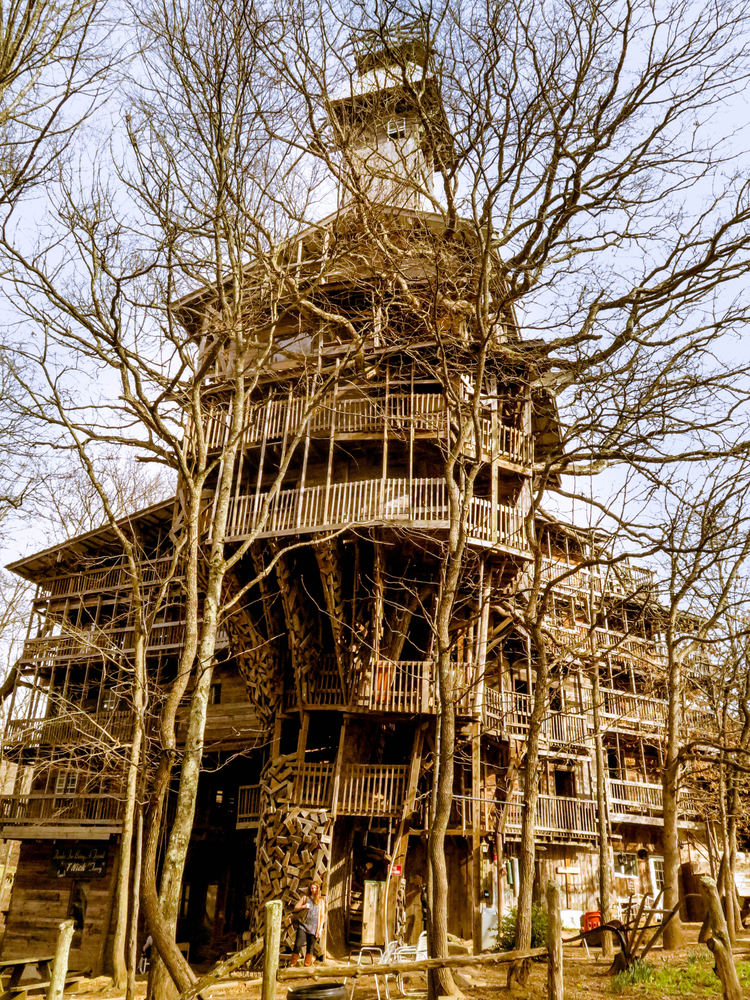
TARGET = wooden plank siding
(40,902)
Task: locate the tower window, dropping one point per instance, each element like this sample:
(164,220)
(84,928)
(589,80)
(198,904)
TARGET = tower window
(397,128)
(66,783)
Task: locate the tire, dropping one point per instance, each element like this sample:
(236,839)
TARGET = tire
(319,991)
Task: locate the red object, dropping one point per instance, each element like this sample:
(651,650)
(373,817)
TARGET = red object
(591,920)
(397,871)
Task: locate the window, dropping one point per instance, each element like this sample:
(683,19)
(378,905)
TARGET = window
(657,874)
(626,865)
(219,796)
(397,128)
(185,900)
(565,784)
(215,695)
(66,783)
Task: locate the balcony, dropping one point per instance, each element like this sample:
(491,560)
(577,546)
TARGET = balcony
(71,728)
(621,579)
(103,643)
(631,801)
(559,819)
(509,712)
(404,503)
(642,801)
(47,814)
(423,414)
(400,686)
(580,640)
(99,580)
(632,712)
(364,790)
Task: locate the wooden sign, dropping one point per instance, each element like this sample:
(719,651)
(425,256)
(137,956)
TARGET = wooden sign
(572,870)
(79,859)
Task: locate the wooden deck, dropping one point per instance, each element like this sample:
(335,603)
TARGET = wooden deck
(559,819)
(364,790)
(399,414)
(632,712)
(50,810)
(389,686)
(104,642)
(405,503)
(71,727)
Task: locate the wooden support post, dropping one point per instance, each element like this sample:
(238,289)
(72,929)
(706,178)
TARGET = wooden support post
(555,987)
(56,986)
(272,939)
(719,942)
(476,835)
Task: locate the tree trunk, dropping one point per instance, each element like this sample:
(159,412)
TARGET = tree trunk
(719,942)
(132,962)
(443,978)
(673,933)
(123,891)
(605,880)
(518,972)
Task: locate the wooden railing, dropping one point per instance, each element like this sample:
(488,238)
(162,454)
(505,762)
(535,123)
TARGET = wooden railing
(411,686)
(111,578)
(313,786)
(48,809)
(633,710)
(397,501)
(398,413)
(372,789)
(103,641)
(557,815)
(562,728)
(494,709)
(364,789)
(596,580)
(248,804)
(322,686)
(71,728)
(407,686)
(579,638)
(636,797)
(463,809)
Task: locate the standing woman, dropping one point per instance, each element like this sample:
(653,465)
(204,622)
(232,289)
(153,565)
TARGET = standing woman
(311,925)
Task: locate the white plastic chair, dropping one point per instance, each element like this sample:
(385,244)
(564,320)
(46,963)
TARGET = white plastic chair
(384,956)
(411,953)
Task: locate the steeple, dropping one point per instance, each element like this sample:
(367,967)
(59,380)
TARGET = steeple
(391,127)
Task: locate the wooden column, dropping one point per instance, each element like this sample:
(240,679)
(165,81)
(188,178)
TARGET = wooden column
(271,949)
(476,834)
(60,962)
(555,986)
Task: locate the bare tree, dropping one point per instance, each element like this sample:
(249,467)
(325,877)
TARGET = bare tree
(572,194)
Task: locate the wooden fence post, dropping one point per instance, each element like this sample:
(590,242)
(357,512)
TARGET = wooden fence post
(60,962)
(556,989)
(271,949)
(719,942)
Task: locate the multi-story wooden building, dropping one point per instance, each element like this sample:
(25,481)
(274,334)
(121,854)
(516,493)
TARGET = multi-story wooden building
(321,731)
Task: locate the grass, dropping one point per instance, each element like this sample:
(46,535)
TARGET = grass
(695,978)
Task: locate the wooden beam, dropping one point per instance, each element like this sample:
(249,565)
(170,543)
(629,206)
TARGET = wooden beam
(397,968)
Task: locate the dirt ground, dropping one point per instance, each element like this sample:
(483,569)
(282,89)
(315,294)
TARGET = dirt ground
(586,978)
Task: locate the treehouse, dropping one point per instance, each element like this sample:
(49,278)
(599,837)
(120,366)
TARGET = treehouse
(375,397)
